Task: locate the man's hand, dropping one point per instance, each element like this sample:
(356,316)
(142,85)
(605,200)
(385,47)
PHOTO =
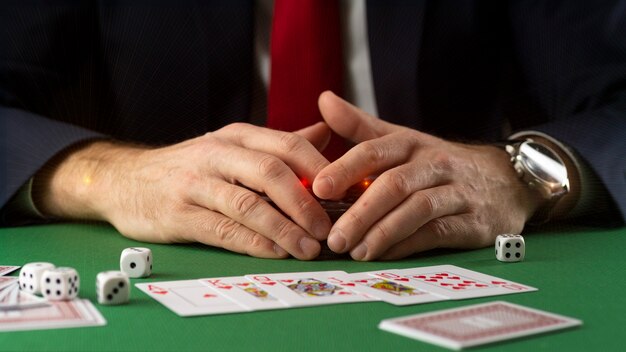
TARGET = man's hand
(429,193)
(194,191)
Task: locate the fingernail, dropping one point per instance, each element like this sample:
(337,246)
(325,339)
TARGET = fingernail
(324,186)
(280,251)
(359,252)
(309,246)
(336,241)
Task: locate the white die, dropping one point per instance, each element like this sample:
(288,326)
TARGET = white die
(136,262)
(510,248)
(112,287)
(60,284)
(30,276)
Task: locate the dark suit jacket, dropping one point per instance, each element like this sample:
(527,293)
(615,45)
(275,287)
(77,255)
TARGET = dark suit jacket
(158,72)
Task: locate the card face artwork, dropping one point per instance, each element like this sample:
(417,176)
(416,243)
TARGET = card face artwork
(55,315)
(453,282)
(190,297)
(477,324)
(384,289)
(244,292)
(307,288)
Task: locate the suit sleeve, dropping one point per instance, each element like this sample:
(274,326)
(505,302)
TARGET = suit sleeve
(573,57)
(43,52)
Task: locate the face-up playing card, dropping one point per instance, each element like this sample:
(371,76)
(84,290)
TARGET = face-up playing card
(5,269)
(307,288)
(453,282)
(477,324)
(190,297)
(6,281)
(384,289)
(244,292)
(55,315)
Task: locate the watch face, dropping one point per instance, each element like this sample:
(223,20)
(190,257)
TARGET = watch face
(543,163)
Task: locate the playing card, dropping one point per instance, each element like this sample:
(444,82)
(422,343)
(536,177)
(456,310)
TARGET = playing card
(244,292)
(11,297)
(7,281)
(5,269)
(61,314)
(190,298)
(477,324)
(307,288)
(453,282)
(384,289)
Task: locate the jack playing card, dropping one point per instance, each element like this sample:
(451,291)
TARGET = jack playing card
(308,288)
(453,282)
(190,297)
(477,324)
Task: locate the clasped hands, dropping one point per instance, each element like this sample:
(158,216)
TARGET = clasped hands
(429,192)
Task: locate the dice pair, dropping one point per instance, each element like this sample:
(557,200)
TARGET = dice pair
(510,248)
(53,283)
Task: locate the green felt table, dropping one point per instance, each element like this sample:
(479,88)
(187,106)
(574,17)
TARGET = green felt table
(580,272)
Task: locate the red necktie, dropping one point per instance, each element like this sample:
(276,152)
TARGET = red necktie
(305,61)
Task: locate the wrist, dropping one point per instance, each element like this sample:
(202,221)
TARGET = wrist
(78,183)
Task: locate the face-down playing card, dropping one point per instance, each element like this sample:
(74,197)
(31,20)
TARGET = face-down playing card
(244,292)
(477,324)
(308,288)
(384,289)
(190,297)
(453,282)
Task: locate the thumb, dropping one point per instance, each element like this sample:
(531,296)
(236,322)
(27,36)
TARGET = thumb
(351,122)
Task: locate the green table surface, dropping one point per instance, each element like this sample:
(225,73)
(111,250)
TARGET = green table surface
(580,272)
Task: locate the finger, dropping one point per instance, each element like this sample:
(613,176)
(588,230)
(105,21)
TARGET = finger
(268,174)
(420,241)
(351,122)
(247,208)
(317,134)
(293,149)
(383,195)
(365,159)
(455,231)
(417,210)
(217,230)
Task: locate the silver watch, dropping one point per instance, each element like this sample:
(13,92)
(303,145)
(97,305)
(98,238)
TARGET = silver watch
(542,169)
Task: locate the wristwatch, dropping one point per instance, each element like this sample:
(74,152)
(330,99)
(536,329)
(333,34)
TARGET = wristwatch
(543,170)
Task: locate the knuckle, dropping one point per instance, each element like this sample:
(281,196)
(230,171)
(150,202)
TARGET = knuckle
(384,234)
(224,230)
(271,168)
(440,229)
(255,242)
(428,205)
(442,162)
(371,152)
(397,184)
(245,203)
(284,230)
(291,142)
(354,220)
